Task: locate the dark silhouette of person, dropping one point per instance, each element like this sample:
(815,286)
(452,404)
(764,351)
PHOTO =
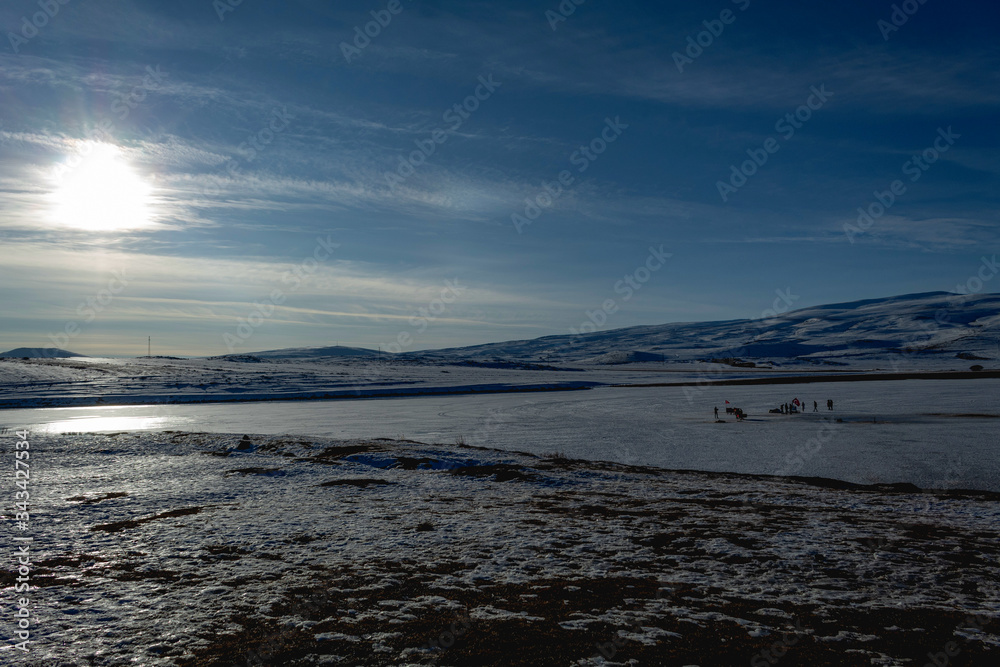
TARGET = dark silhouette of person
(716,412)
(815,406)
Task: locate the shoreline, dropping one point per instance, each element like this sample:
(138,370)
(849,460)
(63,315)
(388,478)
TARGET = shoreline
(341,395)
(402,392)
(860,376)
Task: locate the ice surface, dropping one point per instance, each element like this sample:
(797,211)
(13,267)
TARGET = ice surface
(933,434)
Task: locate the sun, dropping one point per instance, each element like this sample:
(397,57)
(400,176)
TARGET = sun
(97,190)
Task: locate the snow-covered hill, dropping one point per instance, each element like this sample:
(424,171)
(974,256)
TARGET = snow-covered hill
(39,353)
(914,333)
(306,353)
(928,330)
(917,327)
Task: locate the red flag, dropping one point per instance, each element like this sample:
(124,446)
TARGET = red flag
(796,402)
(727,402)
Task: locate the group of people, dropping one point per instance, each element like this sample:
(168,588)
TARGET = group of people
(794,407)
(740,415)
(800,406)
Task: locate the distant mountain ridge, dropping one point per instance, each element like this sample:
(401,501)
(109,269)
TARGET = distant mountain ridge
(927,324)
(936,326)
(39,353)
(306,353)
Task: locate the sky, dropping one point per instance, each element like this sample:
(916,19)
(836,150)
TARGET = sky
(412,174)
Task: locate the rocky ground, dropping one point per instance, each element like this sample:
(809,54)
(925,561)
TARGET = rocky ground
(196,549)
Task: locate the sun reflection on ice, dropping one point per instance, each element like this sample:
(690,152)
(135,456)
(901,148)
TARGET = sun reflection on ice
(92,424)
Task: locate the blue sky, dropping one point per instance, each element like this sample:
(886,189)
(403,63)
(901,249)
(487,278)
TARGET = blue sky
(224,144)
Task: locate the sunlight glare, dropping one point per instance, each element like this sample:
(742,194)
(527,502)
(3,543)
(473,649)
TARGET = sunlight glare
(101,192)
(89,424)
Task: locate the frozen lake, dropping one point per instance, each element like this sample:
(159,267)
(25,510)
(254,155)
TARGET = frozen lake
(935,434)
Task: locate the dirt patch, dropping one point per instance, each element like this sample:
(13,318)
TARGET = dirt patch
(256,471)
(132,523)
(223,552)
(333,455)
(90,500)
(135,572)
(500,472)
(358,482)
(415,463)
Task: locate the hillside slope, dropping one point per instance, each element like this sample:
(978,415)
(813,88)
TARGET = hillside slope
(925,326)
(38,353)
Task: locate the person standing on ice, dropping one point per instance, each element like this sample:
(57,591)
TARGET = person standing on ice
(815,406)
(716,412)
